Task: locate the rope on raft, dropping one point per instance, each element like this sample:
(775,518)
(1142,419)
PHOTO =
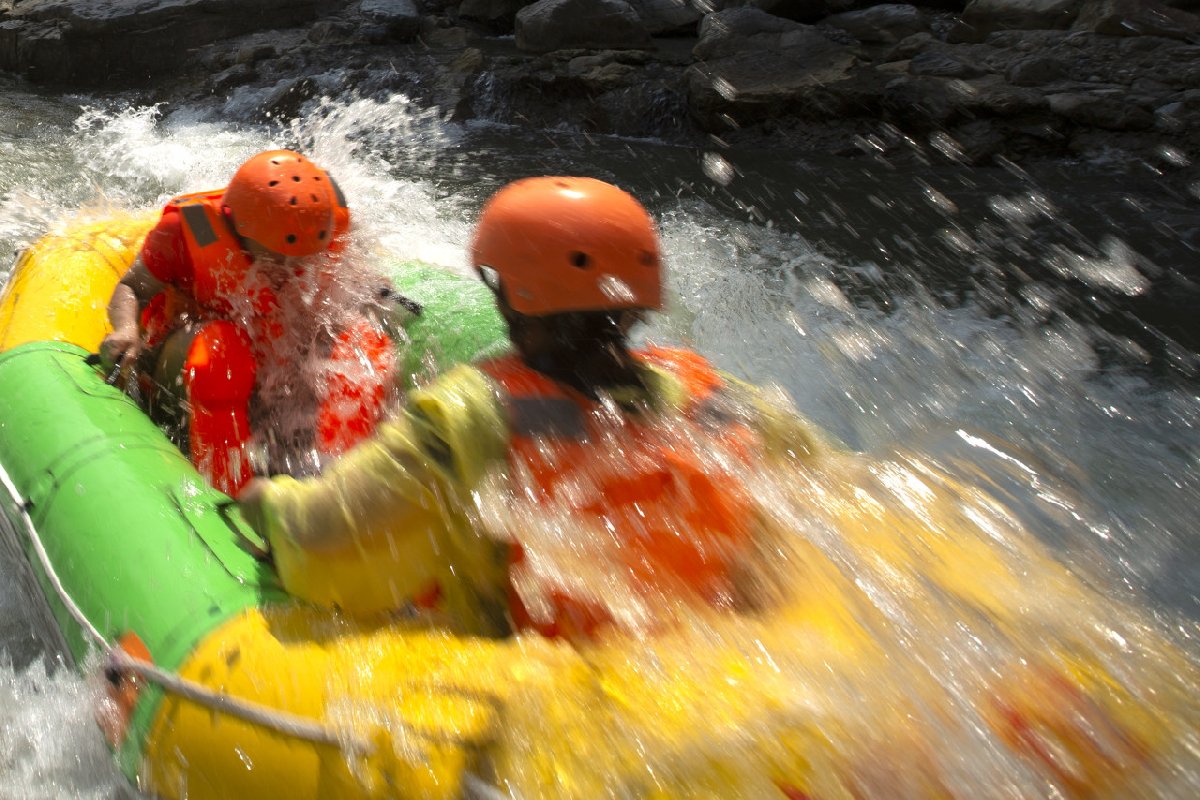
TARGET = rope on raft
(282,722)
(297,727)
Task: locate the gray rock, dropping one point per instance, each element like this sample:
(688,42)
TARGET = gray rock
(670,16)
(1036,71)
(943,65)
(742,30)
(400,17)
(992,97)
(757,66)
(237,75)
(253,53)
(808,11)
(918,103)
(909,46)
(1136,18)
(329,31)
(287,98)
(549,25)
(89,43)
(884,23)
(452,38)
(1170,118)
(1095,111)
(978,140)
(985,16)
(499,15)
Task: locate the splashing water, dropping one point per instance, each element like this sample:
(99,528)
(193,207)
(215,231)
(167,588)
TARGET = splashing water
(1021,526)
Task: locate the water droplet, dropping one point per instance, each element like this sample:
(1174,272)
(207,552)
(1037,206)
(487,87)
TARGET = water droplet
(717,169)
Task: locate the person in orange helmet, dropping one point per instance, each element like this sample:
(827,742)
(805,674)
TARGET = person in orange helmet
(569,487)
(210,312)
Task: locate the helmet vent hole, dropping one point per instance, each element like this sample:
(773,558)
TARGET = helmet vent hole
(314,198)
(316,177)
(648,258)
(321,235)
(579,259)
(296,178)
(273,183)
(291,238)
(293,201)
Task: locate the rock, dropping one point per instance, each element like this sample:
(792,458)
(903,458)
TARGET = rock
(986,16)
(445,38)
(253,53)
(757,66)
(909,46)
(1136,18)
(682,16)
(978,140)
(400,17)
(237,75)
(1169,118)
(549,25)
(943,65)
(1100,112)
(1036,71)
(497,15)
(89,43)
(742,30)
(885,23)
(992,97)
(670,16)
(918,103)
(286,100)
(329,31)
(808,11)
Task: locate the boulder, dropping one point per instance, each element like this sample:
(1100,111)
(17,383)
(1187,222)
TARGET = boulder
(498,15)
(549,25)
(1036,70)
(986,16)
(741,30)
(400,17)
(887,23)
(756,66)
(796,10)
(90,43)
(1097,111)
(1136,18)
(943,65)
(670,16)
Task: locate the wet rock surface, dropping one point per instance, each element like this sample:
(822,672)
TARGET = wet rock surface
(1018,79)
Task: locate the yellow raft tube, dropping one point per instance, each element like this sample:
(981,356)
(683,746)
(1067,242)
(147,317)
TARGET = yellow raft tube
(924,646)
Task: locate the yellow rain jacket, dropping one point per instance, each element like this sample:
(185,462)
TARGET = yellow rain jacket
(387,524)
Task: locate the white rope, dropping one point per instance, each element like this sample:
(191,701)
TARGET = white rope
(297,727)
(75,611)
(288,724)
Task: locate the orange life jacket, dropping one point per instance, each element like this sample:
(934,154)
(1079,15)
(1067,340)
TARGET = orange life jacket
(220,268)
(680,522)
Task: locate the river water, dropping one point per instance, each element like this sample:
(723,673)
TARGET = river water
(1032,329)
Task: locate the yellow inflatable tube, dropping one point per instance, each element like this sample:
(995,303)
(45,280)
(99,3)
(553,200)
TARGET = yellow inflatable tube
(62,294)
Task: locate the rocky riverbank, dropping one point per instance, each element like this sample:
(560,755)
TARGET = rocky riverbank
(1022,79)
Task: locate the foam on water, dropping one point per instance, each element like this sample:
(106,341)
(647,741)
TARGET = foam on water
(50,746)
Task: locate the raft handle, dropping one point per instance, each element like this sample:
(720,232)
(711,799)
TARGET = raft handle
(254,544)
(96,360)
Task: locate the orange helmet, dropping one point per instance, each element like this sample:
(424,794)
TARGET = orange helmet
(284,202)
(569,244)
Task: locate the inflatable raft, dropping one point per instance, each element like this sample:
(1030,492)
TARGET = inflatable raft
(253,694)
